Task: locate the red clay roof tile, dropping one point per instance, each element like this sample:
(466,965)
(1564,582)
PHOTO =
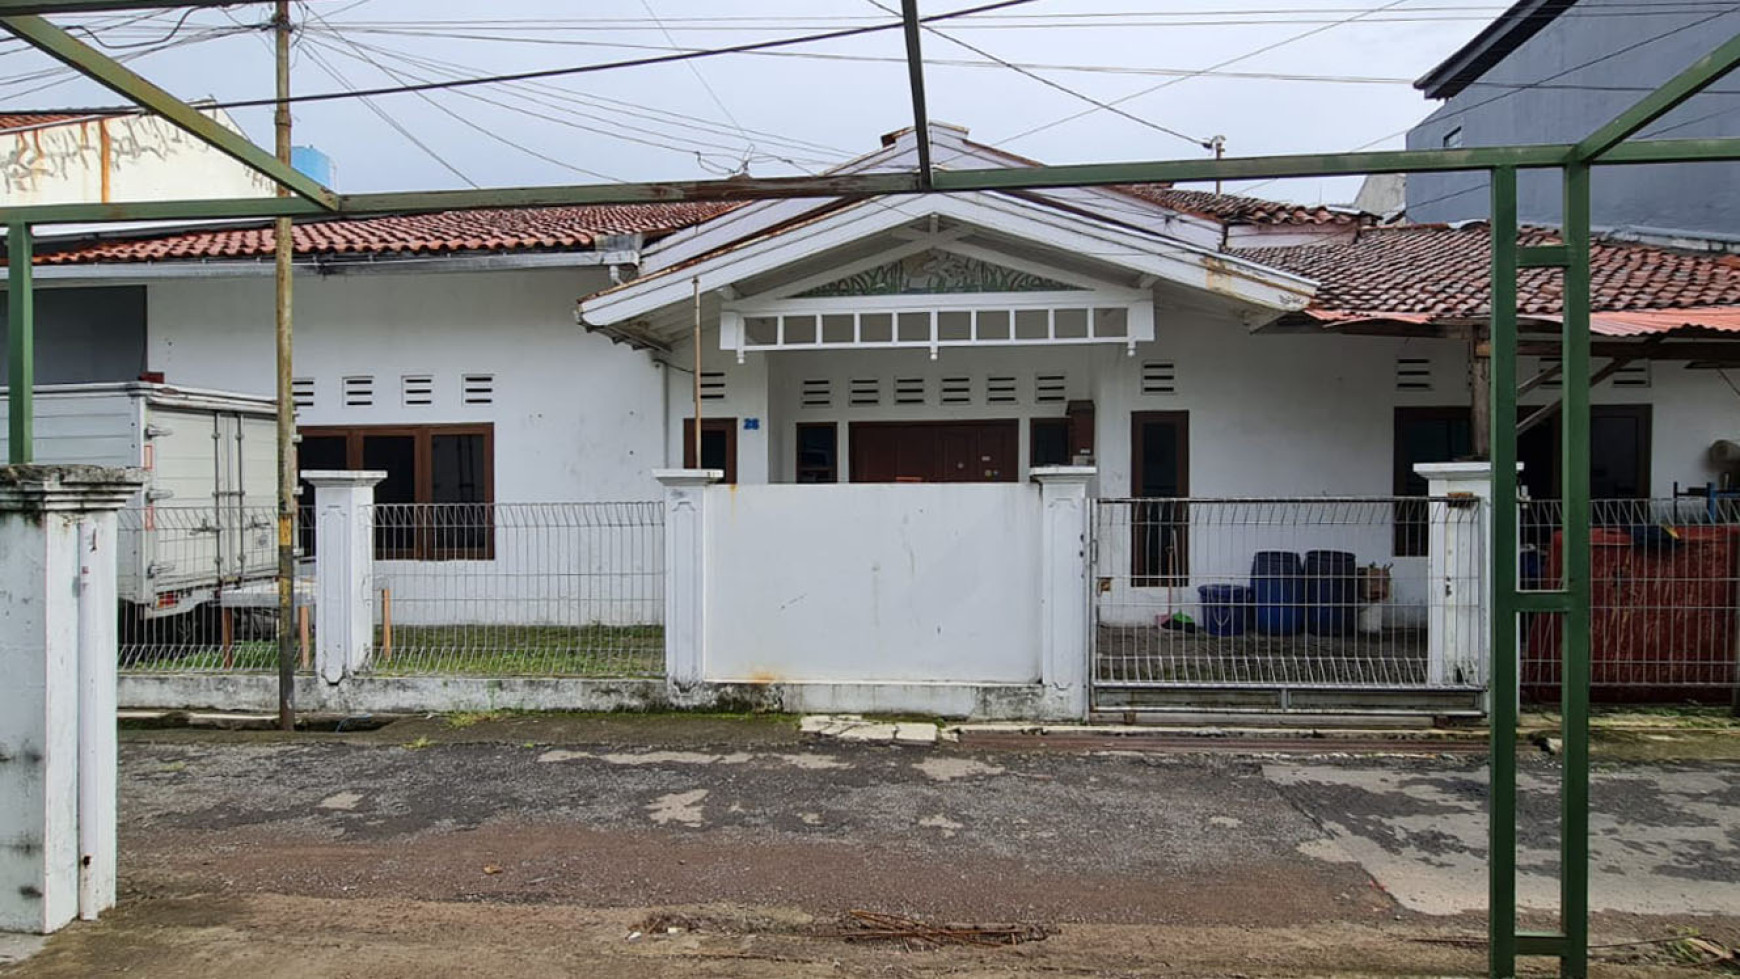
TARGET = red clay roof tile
(444,232)
(1445,272)
(1236,209)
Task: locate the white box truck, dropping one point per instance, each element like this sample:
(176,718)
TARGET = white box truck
(204,523)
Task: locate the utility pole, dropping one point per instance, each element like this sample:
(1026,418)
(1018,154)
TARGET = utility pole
(284,248)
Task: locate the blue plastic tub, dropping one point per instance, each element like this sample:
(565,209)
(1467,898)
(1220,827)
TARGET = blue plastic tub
(1331,592)
(1225,609)
(1278,592)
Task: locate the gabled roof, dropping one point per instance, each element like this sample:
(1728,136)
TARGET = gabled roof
(1138,255)
(443,232)
(1432,272)
(1492,45)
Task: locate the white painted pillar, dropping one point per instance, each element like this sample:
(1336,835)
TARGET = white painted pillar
(1064,596)
(344,570)
(685,571)
(58,654)
(1459,595)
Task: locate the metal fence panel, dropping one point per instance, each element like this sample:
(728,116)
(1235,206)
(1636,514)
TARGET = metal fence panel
(1664,602)
(549,589)
(194,596)
(1286,593)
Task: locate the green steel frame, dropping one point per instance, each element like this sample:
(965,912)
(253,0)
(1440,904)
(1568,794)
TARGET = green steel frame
(1606,146)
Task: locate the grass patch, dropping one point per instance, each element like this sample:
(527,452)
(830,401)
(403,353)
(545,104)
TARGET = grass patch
(597,651)
(460,720)
(504,650)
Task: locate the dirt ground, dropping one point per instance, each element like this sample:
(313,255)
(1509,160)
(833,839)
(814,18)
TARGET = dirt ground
(552,847)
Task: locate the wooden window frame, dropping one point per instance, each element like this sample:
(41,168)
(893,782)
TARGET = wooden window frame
(726,425)
(1171,510)
(798,467)
(425,545)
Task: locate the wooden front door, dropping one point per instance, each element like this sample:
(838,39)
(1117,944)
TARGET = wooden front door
(935,452)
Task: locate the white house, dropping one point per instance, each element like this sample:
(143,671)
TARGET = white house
(1187,346)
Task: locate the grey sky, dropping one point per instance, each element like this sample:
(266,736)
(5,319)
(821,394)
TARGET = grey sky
(822,110)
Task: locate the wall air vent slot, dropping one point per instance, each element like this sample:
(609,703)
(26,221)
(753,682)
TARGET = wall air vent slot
(1051,388)
(417,390)
(359,392)
(865,391)
(818,392)
(478,389)
(1413,374)
(1159,377)
(957,391)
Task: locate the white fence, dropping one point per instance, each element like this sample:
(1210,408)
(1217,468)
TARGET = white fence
(852,583)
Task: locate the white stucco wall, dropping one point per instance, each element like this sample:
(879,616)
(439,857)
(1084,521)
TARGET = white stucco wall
(124,158)
(577,417)
(873,583)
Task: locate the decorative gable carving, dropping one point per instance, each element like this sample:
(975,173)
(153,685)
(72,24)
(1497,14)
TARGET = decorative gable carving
(935,273)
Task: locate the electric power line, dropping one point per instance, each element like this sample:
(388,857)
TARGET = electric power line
(566,98)
(492,134)
(1205,144)
(611,66)
(386,117)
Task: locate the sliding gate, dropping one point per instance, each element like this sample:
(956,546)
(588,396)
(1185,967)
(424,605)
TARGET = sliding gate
(1330,604)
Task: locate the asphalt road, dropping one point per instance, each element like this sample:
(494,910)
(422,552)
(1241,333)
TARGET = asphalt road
(217,835)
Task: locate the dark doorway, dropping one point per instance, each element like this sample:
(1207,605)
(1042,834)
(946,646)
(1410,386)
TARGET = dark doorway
(1423,435)
(718,446)
(935,452)
(1159,477)
(1619,454)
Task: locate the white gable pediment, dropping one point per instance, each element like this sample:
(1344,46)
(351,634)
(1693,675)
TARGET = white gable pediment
(934,272)
(944,248)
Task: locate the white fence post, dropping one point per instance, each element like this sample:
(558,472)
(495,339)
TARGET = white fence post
(58,746)
(1064,595)
(344,570)
(685,571)
(1459,598)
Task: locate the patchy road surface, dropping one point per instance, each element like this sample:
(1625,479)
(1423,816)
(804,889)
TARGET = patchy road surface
(328,858)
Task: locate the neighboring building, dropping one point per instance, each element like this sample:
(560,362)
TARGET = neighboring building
(1553,71)
(72,156)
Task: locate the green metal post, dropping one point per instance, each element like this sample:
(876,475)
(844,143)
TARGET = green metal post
(1574,671)
(1501,805)
(21,348)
